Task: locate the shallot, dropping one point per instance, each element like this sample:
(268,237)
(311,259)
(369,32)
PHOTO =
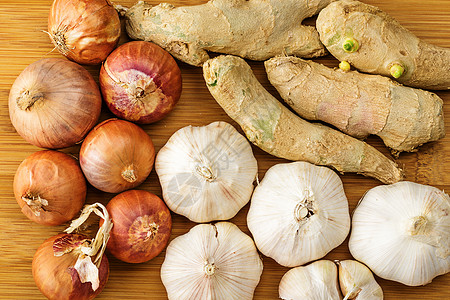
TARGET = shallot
(85,31)
(54,103)
(142,226)
(117,155)
(50,187)
(140,82)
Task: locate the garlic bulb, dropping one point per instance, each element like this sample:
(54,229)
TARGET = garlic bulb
(207,172)
(357,281)
(298,213)
(315,281)
(402,232)
(211,262)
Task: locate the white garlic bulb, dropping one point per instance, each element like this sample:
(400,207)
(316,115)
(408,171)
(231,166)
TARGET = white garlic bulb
(217,262)
(402,232)
(315,281)
(298,213)
(357,281)
(206,173)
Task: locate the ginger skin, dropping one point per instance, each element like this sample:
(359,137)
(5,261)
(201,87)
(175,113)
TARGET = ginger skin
(359,104)
(275,129)
(253,29)
(385,46)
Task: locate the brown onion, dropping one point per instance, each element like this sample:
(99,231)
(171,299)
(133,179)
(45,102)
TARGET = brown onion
(71,266)
(140,82)
(56,277)
(117,155)
(50,187)
(142,226)
(85,31)
(54,103)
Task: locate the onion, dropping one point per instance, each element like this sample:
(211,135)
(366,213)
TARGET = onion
(142,226)
(50,187)
(85,31)
(71,266)
(140,82)
(54,103)
(56,277)
(117,155)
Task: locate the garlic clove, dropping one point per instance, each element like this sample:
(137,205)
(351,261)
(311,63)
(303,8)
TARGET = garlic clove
(298,213)
(206,173)
(402,232)
(357,282)
(317,280)
(211,262)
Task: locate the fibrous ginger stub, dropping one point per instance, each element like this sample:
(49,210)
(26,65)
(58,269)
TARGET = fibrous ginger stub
(253,29)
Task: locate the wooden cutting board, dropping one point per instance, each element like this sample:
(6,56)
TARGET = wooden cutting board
(22,41)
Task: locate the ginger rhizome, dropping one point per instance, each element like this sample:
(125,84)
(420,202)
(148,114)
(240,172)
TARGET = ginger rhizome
(374,42)
(278,131)
(253,29)
(359,104)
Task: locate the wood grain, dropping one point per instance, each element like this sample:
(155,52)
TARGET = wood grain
(22,41)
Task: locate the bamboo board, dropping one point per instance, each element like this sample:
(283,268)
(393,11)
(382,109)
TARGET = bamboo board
(23,42)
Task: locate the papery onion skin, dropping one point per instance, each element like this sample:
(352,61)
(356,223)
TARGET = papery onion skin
(117,155)
(140,82)
(55,276)
(85,31)
(142,226)
(54,177)
(54,103)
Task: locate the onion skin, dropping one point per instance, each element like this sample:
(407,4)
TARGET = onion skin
(142,226)
(85,31)
(53,103)
(55,177)
(55,276)
(140,82)
(117,155)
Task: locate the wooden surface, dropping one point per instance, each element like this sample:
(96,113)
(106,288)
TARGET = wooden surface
(23,42)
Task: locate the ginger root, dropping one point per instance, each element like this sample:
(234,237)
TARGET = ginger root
(253,29)
(359,104)
(275,129)
(373,42)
